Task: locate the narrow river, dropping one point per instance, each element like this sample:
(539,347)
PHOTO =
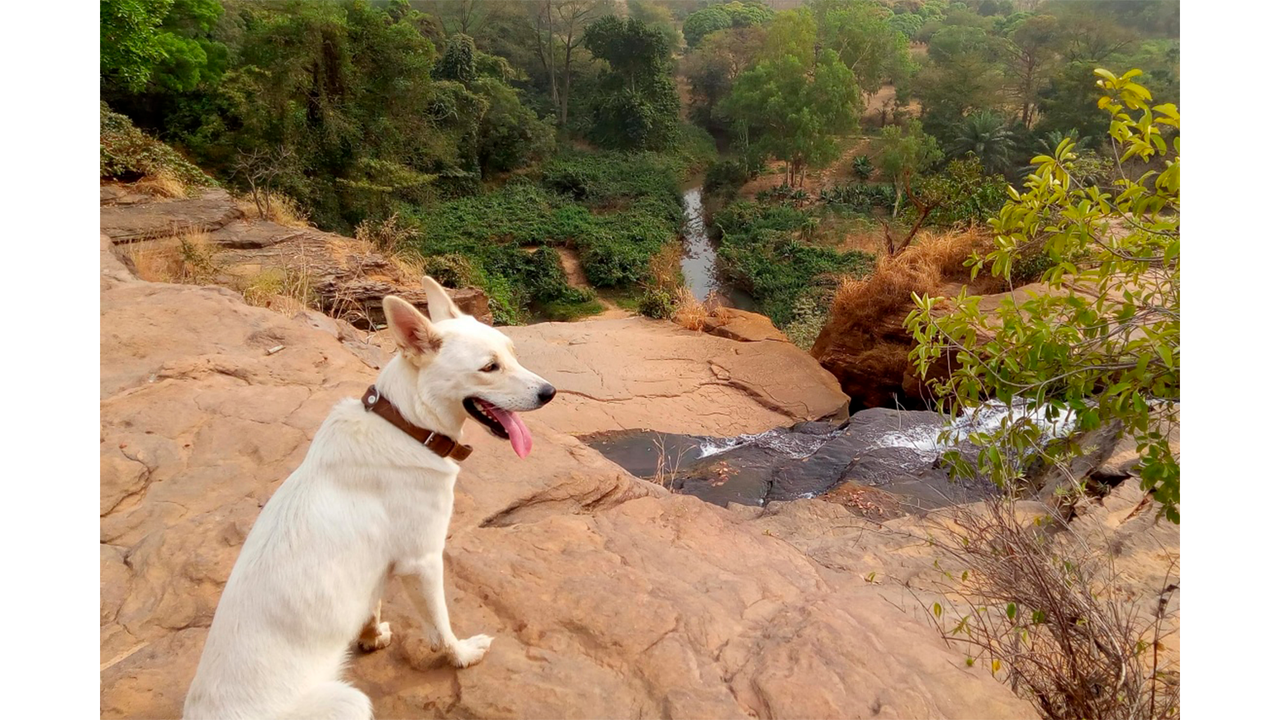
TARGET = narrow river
(699,261)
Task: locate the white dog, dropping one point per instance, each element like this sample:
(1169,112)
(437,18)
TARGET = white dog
(372,499)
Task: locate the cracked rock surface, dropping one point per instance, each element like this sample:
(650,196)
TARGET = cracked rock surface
(638,373)
(607,595)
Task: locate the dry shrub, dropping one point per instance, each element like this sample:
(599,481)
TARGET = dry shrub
(163,185)
(388,235)
(924,267)
(154,262)
(394,240)
(690,313)
(285,289)
(277,208)
(664,268)
(189,258)
(1045,611)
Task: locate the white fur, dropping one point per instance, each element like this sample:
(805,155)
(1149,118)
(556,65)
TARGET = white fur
(367,503)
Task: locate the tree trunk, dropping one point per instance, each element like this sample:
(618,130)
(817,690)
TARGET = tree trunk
(566,76)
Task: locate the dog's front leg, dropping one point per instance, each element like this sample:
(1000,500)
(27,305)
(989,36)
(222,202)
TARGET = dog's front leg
(424,581)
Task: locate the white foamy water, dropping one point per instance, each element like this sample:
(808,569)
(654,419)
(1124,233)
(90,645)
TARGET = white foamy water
(986,419)
(793,445)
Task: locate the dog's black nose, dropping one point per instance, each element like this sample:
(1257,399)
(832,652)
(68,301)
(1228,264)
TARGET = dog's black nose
(545,394)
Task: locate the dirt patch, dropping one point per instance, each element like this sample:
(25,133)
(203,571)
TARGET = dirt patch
(577,277)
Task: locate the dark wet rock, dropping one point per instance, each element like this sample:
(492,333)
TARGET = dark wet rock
(891,451)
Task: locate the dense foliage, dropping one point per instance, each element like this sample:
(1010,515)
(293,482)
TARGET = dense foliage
(635,106)
(484,121)
(766,248)
(1103,345)
(126,153)
(708,20)
(615,210)
(792,104)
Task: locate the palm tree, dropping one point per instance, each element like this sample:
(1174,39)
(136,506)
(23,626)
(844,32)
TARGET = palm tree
(1048,144)
(988,137)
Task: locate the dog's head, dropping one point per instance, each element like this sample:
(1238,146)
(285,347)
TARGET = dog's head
(462,363)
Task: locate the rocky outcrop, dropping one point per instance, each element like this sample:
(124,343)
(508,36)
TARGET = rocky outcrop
(639,373)
(129,216)
(608,595)
(347,278)
(741,325)
(864,343)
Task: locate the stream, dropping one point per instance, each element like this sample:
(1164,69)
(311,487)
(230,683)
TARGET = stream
(700,264)
(893,451)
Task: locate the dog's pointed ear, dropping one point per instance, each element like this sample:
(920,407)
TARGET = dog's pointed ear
(410,329)
(439,304)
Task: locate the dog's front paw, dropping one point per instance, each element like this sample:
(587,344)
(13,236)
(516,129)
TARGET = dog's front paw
(370,641)
(468,652)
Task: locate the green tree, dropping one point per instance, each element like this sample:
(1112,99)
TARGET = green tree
(159,45)
(715,65)
(906,152)
(658,17)
(458,62)
(635,106)
(961,75)
(702,23)
(1029,56)
(511,134)
(860,32)
(986,136)
(796,106)
(1103,344)
(130,39)
(556,29)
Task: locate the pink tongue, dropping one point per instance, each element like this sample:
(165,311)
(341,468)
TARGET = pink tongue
(521,439)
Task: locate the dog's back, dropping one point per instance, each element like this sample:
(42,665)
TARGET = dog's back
(318,551)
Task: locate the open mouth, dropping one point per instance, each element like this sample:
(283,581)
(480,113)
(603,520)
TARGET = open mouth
(503,423)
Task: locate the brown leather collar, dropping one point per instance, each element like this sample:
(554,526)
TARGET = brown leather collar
(438,443)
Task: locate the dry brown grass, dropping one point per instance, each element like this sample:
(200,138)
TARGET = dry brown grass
(664,268)
(690,313)
(924,267)
(277,208)
(284,289)
(162,185)
(394,241)
(388,235)
(188,258)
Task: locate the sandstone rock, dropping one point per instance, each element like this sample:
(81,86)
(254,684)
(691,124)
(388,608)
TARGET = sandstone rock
(348,278)
(742,326)
(136,220)
(608,595)
(639,373)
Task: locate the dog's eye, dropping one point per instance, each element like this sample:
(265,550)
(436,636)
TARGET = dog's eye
(491,367)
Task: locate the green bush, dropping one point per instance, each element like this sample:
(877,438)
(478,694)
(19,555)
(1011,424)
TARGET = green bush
(126,153)
(863,167)
(657,303)
(725,177)
(765,251)
(861,198)
(616,210)
(609,180)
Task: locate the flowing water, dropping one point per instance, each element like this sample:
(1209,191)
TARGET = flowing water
(700,263)
(891,450)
